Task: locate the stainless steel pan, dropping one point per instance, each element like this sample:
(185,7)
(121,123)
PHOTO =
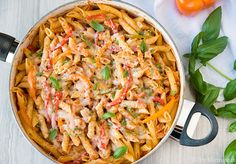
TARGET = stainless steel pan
(11,51)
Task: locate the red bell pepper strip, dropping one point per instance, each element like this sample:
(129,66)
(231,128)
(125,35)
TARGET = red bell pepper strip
(112,25)
(57,99)
(128,84)
(64,41)
(159,100)
(103,136)
(96,17)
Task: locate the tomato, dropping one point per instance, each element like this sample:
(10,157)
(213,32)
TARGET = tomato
(189,7)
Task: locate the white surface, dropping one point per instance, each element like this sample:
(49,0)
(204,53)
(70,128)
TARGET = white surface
(16,17)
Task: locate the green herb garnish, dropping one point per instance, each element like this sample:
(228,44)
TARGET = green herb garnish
(106,73)
(108,115)
(52,134)
(39,74)
(123,122)
(55,83)
(125,74)
(95,86)
(39,53)
(120,151)
(232,127)
(143,46)
(230,90)
(96,26)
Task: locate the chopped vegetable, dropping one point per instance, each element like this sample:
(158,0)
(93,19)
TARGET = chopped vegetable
(128,84)
(64,41)
(96,17)
(112,25)
(120,151)
(39,53)
(123,122)
(106,73)
(95,86)
(39,74)
(108,115)
(52,134)
(159,100)
(143,46)
(159,113)
(103,136)
(96,26)
(125,74)
(55,82)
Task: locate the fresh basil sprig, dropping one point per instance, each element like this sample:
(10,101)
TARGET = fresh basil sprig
(230,90)
(228,111)
(232,127)
(230,153)
(211,26)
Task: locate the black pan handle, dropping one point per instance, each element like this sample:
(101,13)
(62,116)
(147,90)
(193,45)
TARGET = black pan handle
(7,44)
(182,136)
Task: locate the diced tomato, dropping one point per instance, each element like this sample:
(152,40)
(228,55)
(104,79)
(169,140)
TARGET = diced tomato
(112,25)
(124,91)
(96,17)
(159,100)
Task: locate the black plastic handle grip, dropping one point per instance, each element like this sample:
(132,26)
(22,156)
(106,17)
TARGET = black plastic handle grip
(185,140)
(7,44)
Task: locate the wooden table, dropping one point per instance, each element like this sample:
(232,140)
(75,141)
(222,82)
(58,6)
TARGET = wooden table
(16,18)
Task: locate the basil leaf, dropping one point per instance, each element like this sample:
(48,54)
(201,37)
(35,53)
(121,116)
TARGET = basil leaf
(196,41)
(95,86)
(230,90)
(52,134)
(212,48)
(235,65)
(215,46)
(125,74)
(106,73)
(198,83)
(228,111)
(191,65)
(120,151)
(113,95)
(97,26)
(143,46)
(39,53)
(211,26)
(108,115)
(55,83)
(39,74)
(85,40)
(123,122)
(230,153)
(232,127)
(214,110)
(210,97)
